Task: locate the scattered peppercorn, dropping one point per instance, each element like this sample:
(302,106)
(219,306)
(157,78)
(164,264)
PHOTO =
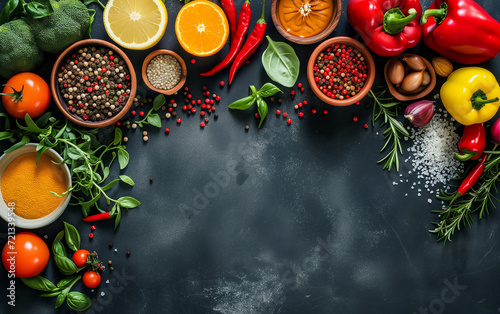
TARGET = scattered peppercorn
(301,114)
(247,127)
(134,125)
(365,126)
(285,114)
(325,111)
(141,113)
(110,262)
(144,133)
(193,61)
(354,118)
(151,180)
(313,110)
(127,253)
(278,112)
(216,115)
(206,120)
(91,235)
(257,116)
(110,244)
(289,121)
(125,139)
(202,124)
(167,130)
(92,227)
(221,83)
(145,138)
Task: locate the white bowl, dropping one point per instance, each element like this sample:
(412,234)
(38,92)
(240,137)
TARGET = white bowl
(20,222)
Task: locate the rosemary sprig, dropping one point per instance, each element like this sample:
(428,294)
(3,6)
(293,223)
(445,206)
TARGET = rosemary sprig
(458,212)
(385,106)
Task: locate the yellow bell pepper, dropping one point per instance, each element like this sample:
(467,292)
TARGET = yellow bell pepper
(471,95)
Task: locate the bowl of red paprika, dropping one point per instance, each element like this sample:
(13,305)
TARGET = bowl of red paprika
(93,83)
(306,22)
(340,71)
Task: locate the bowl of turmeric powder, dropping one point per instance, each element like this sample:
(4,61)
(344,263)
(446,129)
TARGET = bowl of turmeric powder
(34,190)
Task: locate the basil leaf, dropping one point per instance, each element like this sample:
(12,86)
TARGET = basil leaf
(154,120)
(281,63)
(78,301)
(268,89)
(262,109)
(128,202)
(243,103)
(65,265)
(87,2)
(57,246)
(127,179)
(50,294)
(12,8)
(110,185)
(118,136)
(118,217)
(72,237)
(60,299)
(39,283)
(37,9)
(123,158)
(63,283)
(159,101)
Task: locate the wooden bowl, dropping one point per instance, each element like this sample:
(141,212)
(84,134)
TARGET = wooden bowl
(408,97)
(370,75)
(61,103)
(307,40)
(183,71)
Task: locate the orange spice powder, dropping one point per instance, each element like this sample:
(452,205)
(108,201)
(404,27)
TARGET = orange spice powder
(29,186)
(305,18)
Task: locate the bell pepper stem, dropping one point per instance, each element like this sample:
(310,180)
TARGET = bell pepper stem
(438,14)
(395,20)
(464,157)
(479,99)
(17,95)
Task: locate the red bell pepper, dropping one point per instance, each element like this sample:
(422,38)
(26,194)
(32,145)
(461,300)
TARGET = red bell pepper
(461,30)
(387,27)
(472,143)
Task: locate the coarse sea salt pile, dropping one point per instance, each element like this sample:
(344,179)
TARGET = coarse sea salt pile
(431,154)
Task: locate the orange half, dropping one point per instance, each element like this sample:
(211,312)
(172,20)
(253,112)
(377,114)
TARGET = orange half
(201,28)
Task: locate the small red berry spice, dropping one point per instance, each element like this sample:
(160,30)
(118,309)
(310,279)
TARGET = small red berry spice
(189,107)
(203,106)
(299,85)
(278,112)
(167,130)
(301,114)
(193,110)
(90,89)
(141,113)
(104,70)
(198,101)
(209,107)
(211,101)
(299,104)
(202,113)
(222,83)
(92,227)
(257,115)
(186,88)
(292,93)
(325,111)
(365,126)
(217,98)
(170,109)
(302,89)
(189,96)
(213,108)
(289,121)
(357,103)
(86,77)
(354,118)
(184,108)
(202,124)
(193,102)
(118,123)
(70,108)
(111,58)
(313,110)
(285,114)
(207,101)
(172,101)
(305,102)
(204,87)
(179,121)
(193,61)
(91,235)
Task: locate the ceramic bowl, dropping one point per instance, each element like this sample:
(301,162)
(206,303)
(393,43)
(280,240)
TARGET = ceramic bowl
(183,71)
(61,103)
(20,222)
(307,40)
(370,75)
(408,97)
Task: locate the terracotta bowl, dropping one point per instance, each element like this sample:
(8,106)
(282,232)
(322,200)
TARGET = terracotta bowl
(61,103)
(408,97)
(307,40)
(370,75)
(183,71)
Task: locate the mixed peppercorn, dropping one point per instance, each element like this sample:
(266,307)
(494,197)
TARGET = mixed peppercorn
(95,83)
(340,71)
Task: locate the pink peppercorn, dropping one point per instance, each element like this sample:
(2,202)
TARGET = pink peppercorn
(313,110)
(202,113)
(305,102)
(217,98)
(365,126)
(301,114)
(91,235)
(285,114)
(141,113)
(289,121)
(193,61)
(202,124)
(193,110)
(184,108)
(257,115)
(179,121)
(278,112)
(354,118)
(222,83)
(198,101)
(167,130)
(92,227)
(299,104)
(325,111)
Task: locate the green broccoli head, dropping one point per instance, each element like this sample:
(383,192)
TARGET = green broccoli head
(67,25)
(18,50)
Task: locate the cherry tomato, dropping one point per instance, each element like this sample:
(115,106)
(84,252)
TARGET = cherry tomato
(25,255)
(91,279)
(80,257)
(33,99)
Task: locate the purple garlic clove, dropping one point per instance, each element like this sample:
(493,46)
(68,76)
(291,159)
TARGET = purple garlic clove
(420,112)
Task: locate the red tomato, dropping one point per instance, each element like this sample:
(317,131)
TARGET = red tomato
(33,99)
(25,255)
(80,257)
(91,279)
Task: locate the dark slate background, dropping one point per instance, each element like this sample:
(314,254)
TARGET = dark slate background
(294,219)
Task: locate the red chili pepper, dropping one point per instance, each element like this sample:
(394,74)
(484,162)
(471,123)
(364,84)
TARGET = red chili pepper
(472,177)
(97,217)
(237,41)
(251,44)
(472,143)
(388,27)
(461,30)
(230,10)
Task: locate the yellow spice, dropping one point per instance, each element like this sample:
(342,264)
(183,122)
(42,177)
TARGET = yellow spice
(29,186)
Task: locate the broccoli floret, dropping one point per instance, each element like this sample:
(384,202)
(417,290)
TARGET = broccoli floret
(18,50)
(66,25)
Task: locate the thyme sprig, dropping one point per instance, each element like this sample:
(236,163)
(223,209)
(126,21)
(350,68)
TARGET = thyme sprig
(458,212)
(83,154)
(385,106)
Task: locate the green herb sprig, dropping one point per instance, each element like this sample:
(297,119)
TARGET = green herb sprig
(458,212)
(267,90)
(151,117)
(75,300)
(386,107)
(83,154)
